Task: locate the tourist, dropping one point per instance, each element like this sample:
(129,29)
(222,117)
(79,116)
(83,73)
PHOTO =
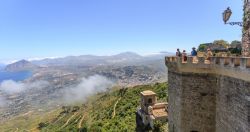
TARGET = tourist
(194,52)
(184,56)
(209,54)
(178,53)
(194,55)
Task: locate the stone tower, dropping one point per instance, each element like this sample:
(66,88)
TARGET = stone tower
(246,29)
(209,97)
(148,98)
(150,110)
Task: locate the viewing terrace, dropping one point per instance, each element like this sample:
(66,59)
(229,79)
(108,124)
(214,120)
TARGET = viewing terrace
(237,67)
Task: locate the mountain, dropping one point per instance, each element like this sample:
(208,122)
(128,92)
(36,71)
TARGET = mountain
(89,60)
(159,55)
(126,55)
(20,66)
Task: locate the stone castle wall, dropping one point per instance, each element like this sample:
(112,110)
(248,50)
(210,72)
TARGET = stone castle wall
(246,29)
(209,97)
(232,105)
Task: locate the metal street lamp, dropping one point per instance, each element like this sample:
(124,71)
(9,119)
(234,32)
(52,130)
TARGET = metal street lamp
(245,26)
(226,16)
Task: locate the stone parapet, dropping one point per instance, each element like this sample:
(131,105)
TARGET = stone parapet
(237,67)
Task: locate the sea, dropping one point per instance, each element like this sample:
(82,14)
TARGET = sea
(15,76)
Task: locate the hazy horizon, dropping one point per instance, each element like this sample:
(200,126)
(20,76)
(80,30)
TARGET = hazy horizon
(6,62)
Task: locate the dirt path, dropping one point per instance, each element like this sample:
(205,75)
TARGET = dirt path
(80,122)
(34,130)
(113,115)
(59,119)
(17,129)
(78,119)
(69,120)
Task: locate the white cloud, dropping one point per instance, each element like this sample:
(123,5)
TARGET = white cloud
(88,86)
(13,87)
(42,58)
(3,101)
(10,86)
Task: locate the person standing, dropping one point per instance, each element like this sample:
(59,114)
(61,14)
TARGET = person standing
(209,54)
(178,53)
(194,55)
(184,56)
(193,52)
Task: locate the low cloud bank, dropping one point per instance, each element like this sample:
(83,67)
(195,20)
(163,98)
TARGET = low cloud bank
(3,101)
(88,86)
(10,87)
(67,95)
(13,87)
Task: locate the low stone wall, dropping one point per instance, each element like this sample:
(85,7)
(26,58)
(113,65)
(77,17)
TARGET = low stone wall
(160,105)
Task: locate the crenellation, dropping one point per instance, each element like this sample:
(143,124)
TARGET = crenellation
(234,62)
(226,61)
(190,60)
(247,61)
(201,60)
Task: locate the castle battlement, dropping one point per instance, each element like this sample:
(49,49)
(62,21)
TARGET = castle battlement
(237,67)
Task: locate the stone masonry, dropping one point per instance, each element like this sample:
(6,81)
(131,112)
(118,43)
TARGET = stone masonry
(209,97)
(246,29)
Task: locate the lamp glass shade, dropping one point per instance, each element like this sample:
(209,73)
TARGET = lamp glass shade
(226,15)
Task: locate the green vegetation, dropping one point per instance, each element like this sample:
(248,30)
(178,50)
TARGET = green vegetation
(97,115)
(221,43)
(203,47)
(110,111)
(219,46)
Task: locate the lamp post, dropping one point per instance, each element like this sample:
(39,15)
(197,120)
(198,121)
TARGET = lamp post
(226,16)
(245,26)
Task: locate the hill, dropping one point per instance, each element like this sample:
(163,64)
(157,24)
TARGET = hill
(109,111)
(20,65)
(93,60)
(89,60)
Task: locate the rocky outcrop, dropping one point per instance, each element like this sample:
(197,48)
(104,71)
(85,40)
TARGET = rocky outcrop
(20,66)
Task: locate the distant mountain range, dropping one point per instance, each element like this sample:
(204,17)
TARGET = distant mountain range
(87,60)
(90,60)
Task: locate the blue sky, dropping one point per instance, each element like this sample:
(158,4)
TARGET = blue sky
(48,28)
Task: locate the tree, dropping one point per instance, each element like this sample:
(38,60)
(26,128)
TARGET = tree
(202,47)
(235,47)
(220,44)
(235,44)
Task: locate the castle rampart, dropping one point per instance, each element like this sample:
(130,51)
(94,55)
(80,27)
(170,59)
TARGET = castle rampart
(209,96)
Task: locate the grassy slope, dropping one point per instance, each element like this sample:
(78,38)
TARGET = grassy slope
(96,114)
